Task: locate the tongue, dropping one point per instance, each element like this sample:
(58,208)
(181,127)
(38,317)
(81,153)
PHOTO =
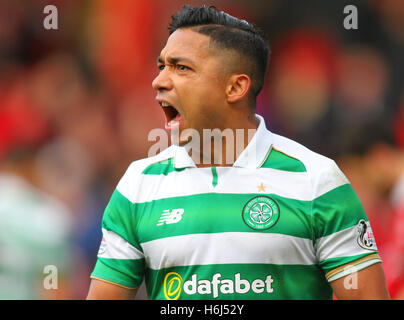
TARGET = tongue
(174,123)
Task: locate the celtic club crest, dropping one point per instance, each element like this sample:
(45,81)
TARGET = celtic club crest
(261,213)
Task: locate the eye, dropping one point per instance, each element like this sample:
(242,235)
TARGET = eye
(182,67)
(161,67)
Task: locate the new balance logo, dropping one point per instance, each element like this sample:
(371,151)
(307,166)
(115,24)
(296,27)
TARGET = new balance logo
(168,217)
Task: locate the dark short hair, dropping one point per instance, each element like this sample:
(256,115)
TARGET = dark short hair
(228,32)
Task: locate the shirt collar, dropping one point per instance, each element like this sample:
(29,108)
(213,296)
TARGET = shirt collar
(253,156)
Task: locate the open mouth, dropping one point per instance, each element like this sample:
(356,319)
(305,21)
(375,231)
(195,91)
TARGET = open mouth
(173,117)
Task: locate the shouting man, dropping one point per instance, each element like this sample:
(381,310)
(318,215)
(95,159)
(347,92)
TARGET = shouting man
(265,219)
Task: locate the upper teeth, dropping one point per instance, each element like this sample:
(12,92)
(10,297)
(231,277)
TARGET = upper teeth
(165,104)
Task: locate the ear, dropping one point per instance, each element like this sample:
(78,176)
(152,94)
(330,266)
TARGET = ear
(237,87)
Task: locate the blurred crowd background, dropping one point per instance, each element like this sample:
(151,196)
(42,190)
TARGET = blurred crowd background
(76,107)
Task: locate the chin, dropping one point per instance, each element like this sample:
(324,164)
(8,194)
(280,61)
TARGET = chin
(179,139)
(175,138)
(182,142)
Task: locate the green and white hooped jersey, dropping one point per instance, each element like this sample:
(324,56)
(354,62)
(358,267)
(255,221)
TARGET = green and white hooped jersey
(281,223)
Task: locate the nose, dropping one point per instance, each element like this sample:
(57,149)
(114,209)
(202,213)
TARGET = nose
(162,81)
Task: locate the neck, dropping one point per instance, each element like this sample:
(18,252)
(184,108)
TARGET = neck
(221,146)
(23,170)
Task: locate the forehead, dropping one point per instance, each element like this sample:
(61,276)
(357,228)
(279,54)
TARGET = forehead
(187,43)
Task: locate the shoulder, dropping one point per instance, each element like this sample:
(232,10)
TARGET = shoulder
(129,182)
(323,173)
(47,216)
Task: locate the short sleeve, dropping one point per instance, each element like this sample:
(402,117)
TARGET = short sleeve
(344,241)
(120,259)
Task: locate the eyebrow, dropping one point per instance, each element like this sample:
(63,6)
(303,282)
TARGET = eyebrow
(174,60)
